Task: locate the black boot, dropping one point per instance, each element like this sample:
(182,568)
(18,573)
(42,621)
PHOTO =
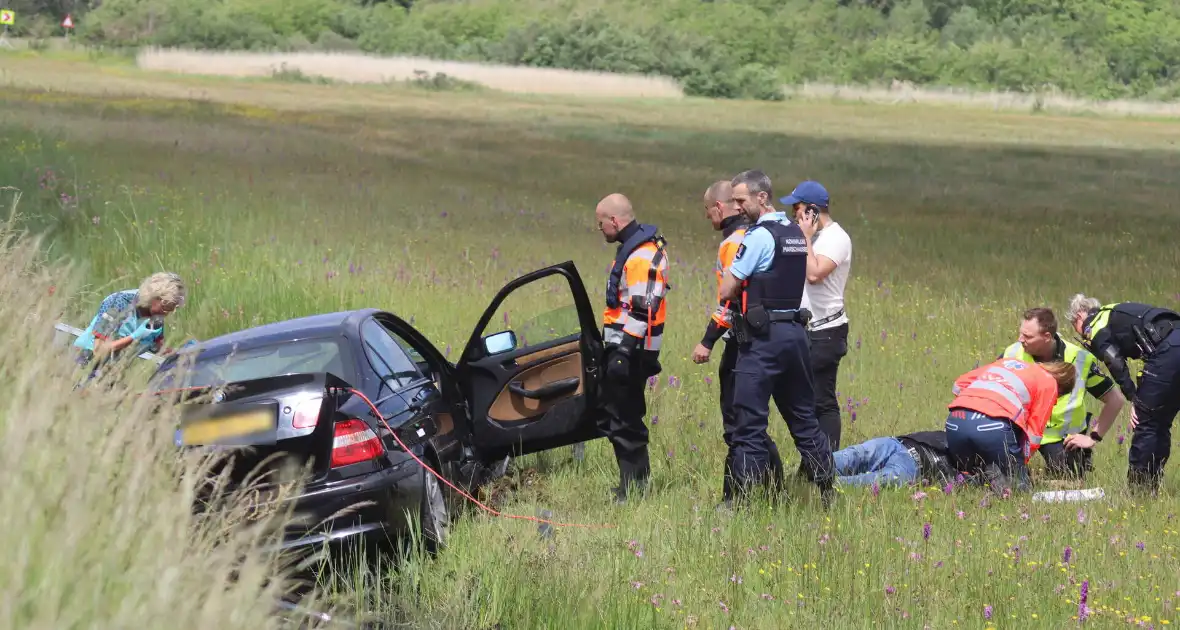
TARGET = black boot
(1144,483)
(827,493)
(632,472)
(777,471)
(727,479)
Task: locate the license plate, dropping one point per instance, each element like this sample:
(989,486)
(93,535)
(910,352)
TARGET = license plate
(228,428)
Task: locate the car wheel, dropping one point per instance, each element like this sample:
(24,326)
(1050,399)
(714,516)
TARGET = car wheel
(435,515)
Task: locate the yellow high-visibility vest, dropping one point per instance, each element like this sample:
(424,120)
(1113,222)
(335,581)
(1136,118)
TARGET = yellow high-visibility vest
(1069,414)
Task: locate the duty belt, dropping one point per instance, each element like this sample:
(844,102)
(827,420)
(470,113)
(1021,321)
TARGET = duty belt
(1150,339)
(800,315)
(830,318)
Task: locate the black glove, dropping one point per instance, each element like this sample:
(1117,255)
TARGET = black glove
(618,364)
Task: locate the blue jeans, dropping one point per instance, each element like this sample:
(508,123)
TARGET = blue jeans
(992,448)
(883,460)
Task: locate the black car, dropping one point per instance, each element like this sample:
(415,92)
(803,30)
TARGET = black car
(279,391)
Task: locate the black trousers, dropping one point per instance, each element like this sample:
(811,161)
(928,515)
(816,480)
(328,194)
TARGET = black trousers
(1157,401)
(725,377)
(828,346)
(622,408)
(1064,463)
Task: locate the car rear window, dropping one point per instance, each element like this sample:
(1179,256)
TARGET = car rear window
(289,357)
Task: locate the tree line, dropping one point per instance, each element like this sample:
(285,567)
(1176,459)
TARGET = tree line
(722,48)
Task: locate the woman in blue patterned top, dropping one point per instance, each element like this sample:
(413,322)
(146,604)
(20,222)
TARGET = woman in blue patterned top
(132,318)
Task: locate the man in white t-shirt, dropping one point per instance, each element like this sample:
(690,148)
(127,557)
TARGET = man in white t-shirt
(823,295)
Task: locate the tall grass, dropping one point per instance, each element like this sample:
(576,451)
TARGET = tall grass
(959,226)
(97,523)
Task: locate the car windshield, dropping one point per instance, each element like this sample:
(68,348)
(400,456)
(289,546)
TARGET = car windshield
(309,355)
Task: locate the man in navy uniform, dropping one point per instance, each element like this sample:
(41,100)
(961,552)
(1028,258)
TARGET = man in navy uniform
(767,278)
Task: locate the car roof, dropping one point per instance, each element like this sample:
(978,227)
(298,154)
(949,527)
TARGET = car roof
(309,327)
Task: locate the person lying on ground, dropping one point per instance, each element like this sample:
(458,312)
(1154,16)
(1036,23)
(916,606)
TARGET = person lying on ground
(914,457)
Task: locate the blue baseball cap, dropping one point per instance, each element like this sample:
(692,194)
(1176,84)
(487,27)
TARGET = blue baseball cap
(809,191)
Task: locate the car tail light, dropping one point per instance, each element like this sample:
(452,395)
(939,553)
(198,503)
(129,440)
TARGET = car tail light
(307,413)
(355,442)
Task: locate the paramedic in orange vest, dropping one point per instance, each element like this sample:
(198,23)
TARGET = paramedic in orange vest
(728,218)
(633,329)
(999,414)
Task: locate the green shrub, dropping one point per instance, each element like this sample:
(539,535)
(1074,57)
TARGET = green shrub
(1095,48)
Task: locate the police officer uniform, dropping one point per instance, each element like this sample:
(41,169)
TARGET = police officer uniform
(720,328)
(773,357)
(1069,414)
(1132,330)
(633,330)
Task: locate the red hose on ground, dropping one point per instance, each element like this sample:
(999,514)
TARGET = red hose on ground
(490,510)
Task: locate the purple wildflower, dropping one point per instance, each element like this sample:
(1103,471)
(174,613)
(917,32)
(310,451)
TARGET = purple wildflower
(926,531)
(987,611)
(1083,609)
(1068,554)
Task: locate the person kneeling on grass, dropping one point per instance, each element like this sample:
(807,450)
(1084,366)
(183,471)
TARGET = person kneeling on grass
(130,319)
(898,460)
(998,416)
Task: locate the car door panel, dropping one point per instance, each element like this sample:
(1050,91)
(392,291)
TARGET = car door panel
(524,400)
(525,396)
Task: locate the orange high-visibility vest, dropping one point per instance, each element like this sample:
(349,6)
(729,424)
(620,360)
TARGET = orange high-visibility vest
(648,283)
(1010,388)
(726,252)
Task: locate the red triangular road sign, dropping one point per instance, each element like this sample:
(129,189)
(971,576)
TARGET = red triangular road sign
(67,23)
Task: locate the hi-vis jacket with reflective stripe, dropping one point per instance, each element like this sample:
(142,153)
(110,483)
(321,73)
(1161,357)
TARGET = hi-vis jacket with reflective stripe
(1069,414)
(1010,388)
(642,306)
(725,254)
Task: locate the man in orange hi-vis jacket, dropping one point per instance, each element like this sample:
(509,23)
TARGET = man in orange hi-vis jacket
(633,331)
(727,218)
(999,414)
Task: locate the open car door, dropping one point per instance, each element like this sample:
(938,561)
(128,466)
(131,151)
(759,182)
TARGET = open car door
(532,394)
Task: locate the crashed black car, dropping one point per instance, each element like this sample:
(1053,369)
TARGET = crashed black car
(276,393)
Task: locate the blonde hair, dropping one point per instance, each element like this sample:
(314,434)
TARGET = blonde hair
(1081,304)
(164,286)
(1064,373)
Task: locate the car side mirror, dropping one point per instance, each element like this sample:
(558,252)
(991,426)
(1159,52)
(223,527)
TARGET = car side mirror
(499,342)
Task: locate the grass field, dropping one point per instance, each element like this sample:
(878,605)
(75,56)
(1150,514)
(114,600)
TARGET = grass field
(277,200)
